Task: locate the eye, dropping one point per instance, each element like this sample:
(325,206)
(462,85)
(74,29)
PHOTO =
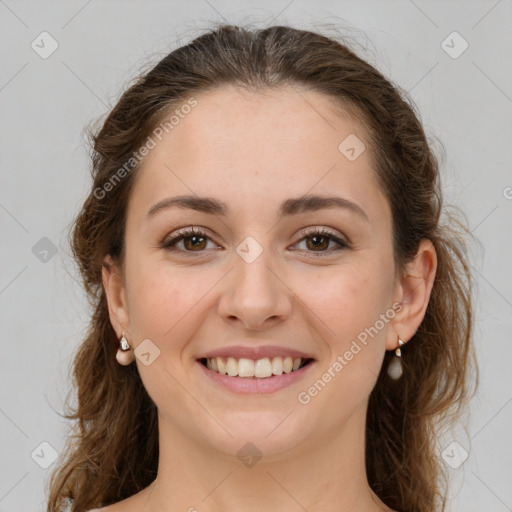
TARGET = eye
(194,240)
(320,240)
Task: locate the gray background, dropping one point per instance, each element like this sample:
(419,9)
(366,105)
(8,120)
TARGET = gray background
(46,102)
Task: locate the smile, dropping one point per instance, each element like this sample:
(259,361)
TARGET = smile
(254,376)
(260,368)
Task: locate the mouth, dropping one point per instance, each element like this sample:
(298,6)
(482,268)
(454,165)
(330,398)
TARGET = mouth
(264,368)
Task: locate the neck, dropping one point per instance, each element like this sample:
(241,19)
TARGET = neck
(324,473)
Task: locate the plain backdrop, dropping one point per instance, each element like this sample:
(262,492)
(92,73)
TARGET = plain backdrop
(452,57)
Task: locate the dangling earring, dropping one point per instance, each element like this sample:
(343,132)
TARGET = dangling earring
(395,367)
(124,354)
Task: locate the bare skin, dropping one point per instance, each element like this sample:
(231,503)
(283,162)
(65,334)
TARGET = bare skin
(252,151)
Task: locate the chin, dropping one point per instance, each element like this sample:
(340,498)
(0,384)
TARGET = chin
(269,433)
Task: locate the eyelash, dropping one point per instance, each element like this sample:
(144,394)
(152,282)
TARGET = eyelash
(169,244)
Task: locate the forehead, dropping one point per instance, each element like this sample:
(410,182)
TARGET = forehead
(258,148)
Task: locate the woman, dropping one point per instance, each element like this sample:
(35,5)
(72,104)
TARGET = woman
(280,318)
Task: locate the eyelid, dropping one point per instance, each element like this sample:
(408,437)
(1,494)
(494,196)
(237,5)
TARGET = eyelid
(341,240)
(185,232)
(323,230)
(172,240)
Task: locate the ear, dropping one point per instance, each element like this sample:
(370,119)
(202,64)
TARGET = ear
(115,290)
(413,292)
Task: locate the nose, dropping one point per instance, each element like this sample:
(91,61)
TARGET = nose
(255,295)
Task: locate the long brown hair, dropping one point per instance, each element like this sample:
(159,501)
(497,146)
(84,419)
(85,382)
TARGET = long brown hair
(112,451)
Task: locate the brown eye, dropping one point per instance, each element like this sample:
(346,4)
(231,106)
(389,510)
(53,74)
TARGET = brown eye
(194,242)
(318,242)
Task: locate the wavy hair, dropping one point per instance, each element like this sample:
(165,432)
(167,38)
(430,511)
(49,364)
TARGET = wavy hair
(112,450)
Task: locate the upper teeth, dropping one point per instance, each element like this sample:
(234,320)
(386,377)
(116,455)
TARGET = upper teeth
(253,368)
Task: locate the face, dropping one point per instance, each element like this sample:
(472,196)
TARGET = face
(265,270)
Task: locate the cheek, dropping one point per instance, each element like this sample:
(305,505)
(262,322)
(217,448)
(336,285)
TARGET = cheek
(350,311)
(346,299)
(352,306)
(161,300)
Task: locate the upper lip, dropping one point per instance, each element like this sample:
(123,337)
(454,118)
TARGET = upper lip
(270,351)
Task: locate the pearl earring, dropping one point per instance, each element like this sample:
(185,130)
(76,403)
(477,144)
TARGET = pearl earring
(124,354)
(395,369)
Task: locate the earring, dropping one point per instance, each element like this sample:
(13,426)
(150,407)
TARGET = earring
(124,354)
(395,367)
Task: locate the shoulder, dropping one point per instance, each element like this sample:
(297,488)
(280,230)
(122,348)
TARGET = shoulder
(110,508)
(131,504)
(117,507)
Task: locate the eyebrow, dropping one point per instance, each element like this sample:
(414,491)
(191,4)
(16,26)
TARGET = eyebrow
(307,203)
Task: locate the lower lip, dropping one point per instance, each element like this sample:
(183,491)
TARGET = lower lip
(255,385)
